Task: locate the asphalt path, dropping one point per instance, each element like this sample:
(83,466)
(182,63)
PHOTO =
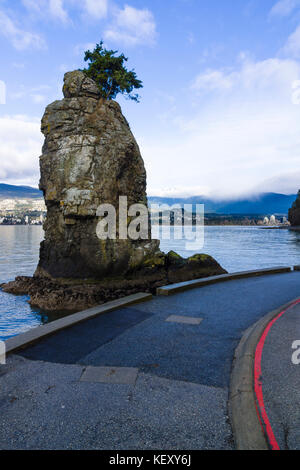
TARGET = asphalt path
(180,396)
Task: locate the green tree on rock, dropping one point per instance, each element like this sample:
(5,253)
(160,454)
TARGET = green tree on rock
(110,74)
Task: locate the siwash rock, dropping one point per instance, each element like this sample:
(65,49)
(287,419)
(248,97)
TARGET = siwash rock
(90,157)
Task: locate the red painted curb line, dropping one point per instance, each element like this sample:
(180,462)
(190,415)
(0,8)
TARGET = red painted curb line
(261,410)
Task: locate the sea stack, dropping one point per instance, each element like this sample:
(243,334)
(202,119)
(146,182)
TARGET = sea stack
(90,158)
(294,213)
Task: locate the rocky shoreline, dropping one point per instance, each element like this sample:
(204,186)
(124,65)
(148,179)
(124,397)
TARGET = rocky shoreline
(75,295)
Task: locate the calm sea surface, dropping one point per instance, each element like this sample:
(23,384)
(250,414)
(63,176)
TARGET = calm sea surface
(235,248)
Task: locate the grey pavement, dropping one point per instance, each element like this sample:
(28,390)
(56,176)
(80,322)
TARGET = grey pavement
(281,380)
(179,397)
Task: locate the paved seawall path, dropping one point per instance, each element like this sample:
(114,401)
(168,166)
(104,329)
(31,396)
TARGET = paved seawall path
(153,375)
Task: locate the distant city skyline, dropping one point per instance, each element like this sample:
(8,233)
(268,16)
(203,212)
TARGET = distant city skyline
(220,108)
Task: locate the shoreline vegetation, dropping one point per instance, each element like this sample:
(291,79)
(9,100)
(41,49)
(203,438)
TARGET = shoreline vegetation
(207,223)
(38,218)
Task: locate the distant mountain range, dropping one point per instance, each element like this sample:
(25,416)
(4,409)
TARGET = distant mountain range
(263,204)
(8,191)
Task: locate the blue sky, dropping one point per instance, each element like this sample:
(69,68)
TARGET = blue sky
(220,107)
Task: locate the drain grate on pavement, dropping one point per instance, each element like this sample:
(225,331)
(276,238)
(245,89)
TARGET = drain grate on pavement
(110,375)
(186,320)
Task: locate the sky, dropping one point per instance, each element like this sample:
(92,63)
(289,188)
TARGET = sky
(220,109)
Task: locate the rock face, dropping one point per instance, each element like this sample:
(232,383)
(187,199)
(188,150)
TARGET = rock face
(90,157)
(294,213)
(156,271)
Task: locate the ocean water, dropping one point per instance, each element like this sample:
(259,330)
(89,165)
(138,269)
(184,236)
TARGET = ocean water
(235,248)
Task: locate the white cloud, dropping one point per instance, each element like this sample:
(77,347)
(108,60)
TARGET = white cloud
(2,92)
(53,8)
(132,26)
(214,80)
(191,38)
(79,49)
(96,8)
(230,155)
(179,191)
(19,38)
(64,68)
(38,99)
(245,130)
(284,7)
(292,46)
(57,10)
(259,76)
(18,65)
(34,92)
(285,183)
(20,147)
(34,6)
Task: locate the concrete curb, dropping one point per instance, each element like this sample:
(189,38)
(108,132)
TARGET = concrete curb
(247,430)
(36,334)
(182,286)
